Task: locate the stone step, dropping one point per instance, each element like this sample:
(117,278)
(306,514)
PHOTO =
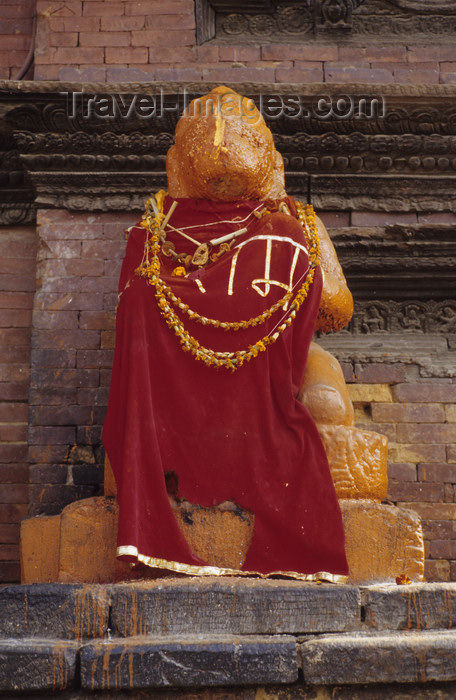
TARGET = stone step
(383,657)
(320,662)
(174,606)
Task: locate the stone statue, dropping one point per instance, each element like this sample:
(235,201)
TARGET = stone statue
(230,433)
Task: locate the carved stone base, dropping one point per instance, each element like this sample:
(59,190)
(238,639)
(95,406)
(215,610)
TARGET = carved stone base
(382,542)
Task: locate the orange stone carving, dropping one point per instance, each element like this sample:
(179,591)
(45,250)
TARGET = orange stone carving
(358,461)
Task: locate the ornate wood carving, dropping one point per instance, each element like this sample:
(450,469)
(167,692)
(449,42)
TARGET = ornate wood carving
(400,159)
(374,21)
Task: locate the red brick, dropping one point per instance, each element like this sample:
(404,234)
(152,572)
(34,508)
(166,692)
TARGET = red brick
(48,454)
(415,491)
(356,73)
(166,7)
(334,219)
(439,529)
(72,56)
(10,391)
(91,397)
(18,374)
(49,474)
(296,52)
(21,10)
(109,9)
(83,74)
(436,570)
(59,494)
(13,432)
(448,493)
(62,39)
(13,512)
(387,429)
(426,432)
(122,24)
(178,74)
(379,373)
(55,319)
(10,266)
(92,358)
(373,218)
(443,549)
(15,336)
(416,452)
(451,453)
(444,473)
(402,472)
(14,474)
(421,54)
(14,493)
(65,377)
(440,217)
(126,55)
(15,41)
(80,24)
(97,319)
(68,302)
(46,72)
(425,392)
(167,22)
(10,572)
(9,534)
(238,53)
(70,8)
(175,37)
(9,552)
(123,73)
(108,339)
(17,283)
(104,39)
(235,74)
(408,413)
(300,75)
(53,435)
(65,415)
(416,76)
(14,412)
(15,318)
(16,300)
(77,339)
(393,54)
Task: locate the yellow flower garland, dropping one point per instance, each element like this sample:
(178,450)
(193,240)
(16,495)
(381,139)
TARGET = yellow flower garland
(150,269)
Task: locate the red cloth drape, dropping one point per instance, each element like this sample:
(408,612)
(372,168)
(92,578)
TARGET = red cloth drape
(239,436)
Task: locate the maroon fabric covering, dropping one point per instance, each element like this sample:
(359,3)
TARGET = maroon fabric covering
(239,436)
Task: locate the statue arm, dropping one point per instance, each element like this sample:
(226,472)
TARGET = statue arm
(336,306)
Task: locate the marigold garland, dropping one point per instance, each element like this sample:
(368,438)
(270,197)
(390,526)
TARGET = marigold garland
(152,221)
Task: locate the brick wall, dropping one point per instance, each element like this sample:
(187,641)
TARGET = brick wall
(73,338)
(17,282)
(104,40)
(15,36)
(418,416)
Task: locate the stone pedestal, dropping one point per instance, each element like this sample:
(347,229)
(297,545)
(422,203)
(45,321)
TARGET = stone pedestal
(382,541)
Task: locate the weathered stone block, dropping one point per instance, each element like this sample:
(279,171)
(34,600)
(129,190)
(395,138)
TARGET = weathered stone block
(400,657)
(88,537)
(35,665)
(413,607)
(40,549)
(54,611)
(358,461)
(382,542)
(232,606)
(149,663)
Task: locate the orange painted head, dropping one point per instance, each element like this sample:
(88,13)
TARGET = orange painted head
(224,151)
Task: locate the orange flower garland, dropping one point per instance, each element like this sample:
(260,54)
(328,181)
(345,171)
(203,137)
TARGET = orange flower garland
(150,269)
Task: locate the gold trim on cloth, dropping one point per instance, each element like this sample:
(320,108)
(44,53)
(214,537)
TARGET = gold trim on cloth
(191,570)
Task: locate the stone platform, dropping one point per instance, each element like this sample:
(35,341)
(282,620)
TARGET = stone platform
(217,639)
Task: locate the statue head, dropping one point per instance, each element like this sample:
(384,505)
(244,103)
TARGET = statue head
(224,151)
